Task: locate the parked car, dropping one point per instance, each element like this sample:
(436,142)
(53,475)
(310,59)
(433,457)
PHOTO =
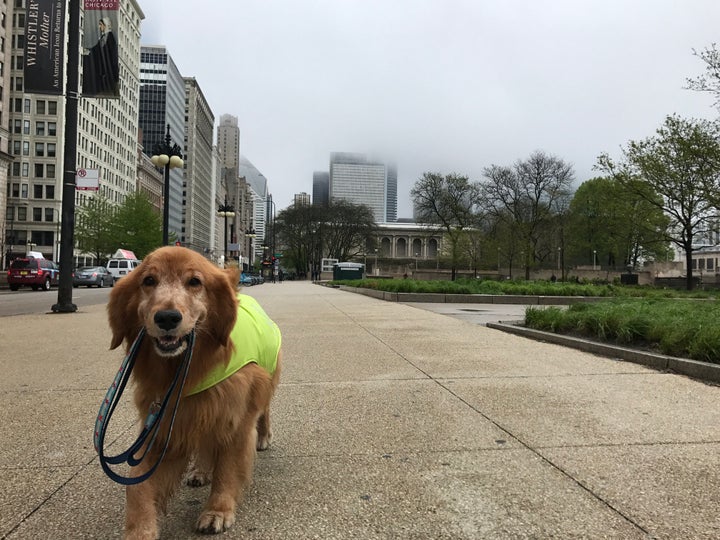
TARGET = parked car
(121,267)
(92,276)
(33,272)
(246,279)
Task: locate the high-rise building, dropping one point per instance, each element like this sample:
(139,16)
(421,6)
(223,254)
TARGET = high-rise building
(301,199)
(228,141)
(7,212)
(257,184)
(321,188)
(361,180)
(198,203)
(162,104)
(391,201)
(107,138)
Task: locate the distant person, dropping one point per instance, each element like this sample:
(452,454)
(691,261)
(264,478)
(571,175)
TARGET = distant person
(281,275)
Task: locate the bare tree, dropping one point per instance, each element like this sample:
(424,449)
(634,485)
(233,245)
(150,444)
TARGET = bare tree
(710,80)
(528,196)
(448,202)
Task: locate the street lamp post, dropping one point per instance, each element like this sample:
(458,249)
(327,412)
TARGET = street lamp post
(250,233)
(594,259)
(226,211)
(168,156)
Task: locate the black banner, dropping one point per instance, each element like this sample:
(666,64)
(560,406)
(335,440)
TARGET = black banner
(44,46)
(101,76)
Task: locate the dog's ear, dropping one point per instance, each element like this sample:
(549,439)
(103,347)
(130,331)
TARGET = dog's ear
(222,290)
(122,309)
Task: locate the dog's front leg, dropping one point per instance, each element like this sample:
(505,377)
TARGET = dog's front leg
(232,472)
(146,500)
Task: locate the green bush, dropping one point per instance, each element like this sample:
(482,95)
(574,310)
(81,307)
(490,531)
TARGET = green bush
(683,328)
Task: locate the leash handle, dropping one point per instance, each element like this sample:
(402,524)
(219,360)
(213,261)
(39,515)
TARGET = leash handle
(152,421)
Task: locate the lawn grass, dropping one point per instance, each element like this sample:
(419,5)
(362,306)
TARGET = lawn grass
(676,327)
(511,287)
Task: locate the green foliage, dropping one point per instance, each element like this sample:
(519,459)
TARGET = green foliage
(621,226)
(676,327)
(137,225)
(93,227)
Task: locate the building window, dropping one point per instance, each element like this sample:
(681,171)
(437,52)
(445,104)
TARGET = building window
(22,213)
(38,191)
(52,107)
(16,167)
(49,214)
(52,128)
(24,191)
(50,170)
(26,127)
(26,148)
(37,214)
(40,106)
(51,149)
(40,128)
(26,107)
(16,190)
(25,169)
(50,192)
(40,149)
(39,170)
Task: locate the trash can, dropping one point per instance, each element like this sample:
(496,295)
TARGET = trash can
(348,270)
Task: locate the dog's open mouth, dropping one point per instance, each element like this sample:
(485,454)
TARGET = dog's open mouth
(170,345)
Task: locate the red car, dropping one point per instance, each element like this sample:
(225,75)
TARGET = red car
(36,273)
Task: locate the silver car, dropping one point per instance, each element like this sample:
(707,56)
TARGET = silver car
(92,276)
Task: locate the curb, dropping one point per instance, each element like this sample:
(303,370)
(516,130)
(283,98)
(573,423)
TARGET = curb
(684,366)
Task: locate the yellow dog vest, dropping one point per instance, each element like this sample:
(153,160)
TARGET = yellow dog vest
(255,337)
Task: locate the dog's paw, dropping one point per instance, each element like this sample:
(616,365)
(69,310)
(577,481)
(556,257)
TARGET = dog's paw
(213,522)
(196,478)
(263,441)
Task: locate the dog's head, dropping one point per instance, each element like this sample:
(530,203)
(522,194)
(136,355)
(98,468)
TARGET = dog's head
(174,291)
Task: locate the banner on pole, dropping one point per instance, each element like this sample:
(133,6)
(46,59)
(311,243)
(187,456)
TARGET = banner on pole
(101,72)
(44,47)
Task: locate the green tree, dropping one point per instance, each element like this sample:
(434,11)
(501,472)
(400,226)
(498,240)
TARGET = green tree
(93,228)
(529,196)
(449,203)
(678,171)
(137,225)
(608,218)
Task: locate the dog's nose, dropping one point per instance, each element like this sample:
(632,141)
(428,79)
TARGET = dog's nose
(167,319)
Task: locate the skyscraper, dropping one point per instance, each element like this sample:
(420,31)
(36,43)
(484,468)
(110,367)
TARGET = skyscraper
(198,189)
(321,188)
(162,103)
(361,180)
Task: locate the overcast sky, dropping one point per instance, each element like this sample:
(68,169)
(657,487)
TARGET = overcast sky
(437,85)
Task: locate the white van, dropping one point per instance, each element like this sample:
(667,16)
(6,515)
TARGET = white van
(121,267)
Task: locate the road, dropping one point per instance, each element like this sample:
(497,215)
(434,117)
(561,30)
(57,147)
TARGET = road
(25,301)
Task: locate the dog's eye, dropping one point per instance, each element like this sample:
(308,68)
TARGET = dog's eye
(194,282)
(149,281)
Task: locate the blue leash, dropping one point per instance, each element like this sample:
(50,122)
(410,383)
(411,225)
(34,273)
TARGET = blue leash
(152,421)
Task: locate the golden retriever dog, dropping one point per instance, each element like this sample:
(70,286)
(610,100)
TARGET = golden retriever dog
(224,411)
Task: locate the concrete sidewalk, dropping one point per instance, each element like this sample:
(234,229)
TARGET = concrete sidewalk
(390,422)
